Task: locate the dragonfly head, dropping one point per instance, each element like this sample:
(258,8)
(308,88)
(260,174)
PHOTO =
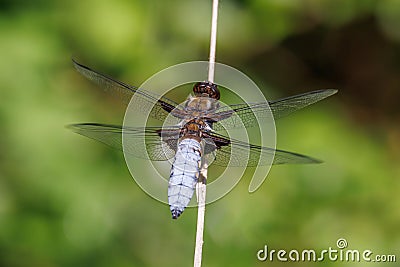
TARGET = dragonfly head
(206,88)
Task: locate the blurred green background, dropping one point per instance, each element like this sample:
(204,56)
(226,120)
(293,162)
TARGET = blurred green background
(68,201)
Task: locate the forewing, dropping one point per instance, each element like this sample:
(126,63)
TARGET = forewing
(159,143)
(243,114)
(144,100)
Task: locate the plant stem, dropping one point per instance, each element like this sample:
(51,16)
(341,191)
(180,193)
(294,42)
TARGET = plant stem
(201,185)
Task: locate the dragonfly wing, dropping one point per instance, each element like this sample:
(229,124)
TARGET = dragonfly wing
(243,114)
(161,106)
(286,157)
(152,143)
(285,106)
(236,153)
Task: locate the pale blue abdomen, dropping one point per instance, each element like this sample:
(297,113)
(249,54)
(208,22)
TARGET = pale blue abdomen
(184,175)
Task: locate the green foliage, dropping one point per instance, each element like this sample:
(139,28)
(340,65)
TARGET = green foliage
(68,201)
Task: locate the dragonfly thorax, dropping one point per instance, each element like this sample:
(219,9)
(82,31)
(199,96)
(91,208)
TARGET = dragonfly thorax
(194,129)
(200,105)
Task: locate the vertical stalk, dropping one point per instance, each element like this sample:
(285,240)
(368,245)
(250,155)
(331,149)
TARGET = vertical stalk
(213,41)
(201,185)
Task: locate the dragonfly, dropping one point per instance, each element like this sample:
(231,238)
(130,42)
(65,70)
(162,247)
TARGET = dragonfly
(195,137)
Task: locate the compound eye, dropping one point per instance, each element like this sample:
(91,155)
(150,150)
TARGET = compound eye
(207,88)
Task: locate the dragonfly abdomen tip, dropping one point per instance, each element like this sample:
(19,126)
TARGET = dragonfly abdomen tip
(176,213)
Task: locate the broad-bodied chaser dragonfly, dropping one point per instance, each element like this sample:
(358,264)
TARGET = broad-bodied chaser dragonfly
(200,118)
